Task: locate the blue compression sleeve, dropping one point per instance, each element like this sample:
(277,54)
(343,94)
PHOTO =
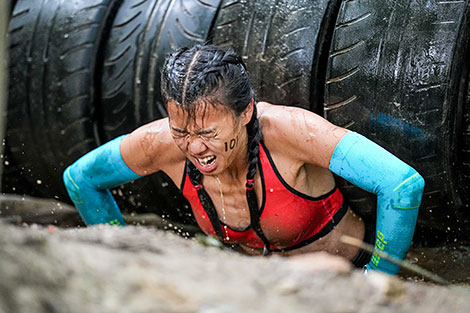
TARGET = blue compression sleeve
(398,188)
(89,178)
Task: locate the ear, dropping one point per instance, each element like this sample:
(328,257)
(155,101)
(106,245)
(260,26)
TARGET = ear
(248,112)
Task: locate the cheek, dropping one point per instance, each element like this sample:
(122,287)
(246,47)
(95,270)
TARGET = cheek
(226,146)
(230,144)
(217,147)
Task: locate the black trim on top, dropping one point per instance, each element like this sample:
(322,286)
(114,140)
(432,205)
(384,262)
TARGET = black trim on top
(288,187)
(323,232)
(263,186)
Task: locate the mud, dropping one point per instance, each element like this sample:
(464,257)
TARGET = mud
(44,268)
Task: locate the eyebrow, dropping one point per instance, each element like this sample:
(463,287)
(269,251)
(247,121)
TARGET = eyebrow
(183,131)
(200,132)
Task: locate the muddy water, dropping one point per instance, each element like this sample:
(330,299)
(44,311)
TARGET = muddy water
(450,261)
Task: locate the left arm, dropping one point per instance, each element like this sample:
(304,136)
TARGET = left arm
(312,139)
(398,188)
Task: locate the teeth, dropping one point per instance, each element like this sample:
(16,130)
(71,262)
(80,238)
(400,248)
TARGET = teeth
(206,161)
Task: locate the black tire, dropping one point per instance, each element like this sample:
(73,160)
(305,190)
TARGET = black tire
(280,42)
(55,47)
(12,181)
(394,71)
(143,33)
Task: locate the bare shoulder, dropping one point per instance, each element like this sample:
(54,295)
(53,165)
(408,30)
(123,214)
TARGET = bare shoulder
(302,134)
(150,148)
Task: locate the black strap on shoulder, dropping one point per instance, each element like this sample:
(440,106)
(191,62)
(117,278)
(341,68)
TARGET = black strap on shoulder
(255,214)
(210,208)
(256,225)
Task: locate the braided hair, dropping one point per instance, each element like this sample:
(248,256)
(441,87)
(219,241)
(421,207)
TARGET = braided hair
(209,73)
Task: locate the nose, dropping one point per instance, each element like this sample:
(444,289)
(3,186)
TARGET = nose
(196,146)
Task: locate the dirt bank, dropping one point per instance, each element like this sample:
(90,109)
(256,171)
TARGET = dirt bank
(137,269)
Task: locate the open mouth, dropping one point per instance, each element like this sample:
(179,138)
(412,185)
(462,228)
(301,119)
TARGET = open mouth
(206,162)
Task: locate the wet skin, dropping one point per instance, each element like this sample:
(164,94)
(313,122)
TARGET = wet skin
(300,142)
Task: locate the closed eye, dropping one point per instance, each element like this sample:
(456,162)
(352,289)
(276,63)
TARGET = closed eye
(209,135)
(179,132)
(205,131)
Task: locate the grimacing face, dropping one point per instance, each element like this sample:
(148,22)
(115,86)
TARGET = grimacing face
(212,140)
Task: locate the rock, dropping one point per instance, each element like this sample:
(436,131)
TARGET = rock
(140,269)
(24,209)
(19,210)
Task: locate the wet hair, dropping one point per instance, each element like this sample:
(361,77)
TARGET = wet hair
(207,74)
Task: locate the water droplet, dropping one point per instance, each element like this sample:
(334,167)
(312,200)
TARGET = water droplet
(66,35)
(271,190)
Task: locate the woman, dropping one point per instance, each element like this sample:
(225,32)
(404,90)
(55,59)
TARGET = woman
(255,174)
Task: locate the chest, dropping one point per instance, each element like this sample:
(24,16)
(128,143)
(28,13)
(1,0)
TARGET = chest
(286,215)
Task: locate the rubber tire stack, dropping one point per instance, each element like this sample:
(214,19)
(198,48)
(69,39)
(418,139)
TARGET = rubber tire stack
(398,73)
(55,53)
(83,72)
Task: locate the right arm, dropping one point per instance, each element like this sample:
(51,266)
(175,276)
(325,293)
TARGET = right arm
(88,181)
(126,158)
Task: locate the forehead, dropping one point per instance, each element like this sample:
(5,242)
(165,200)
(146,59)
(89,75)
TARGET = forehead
(202,115)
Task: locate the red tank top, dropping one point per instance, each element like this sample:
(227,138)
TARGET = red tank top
(289,218)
